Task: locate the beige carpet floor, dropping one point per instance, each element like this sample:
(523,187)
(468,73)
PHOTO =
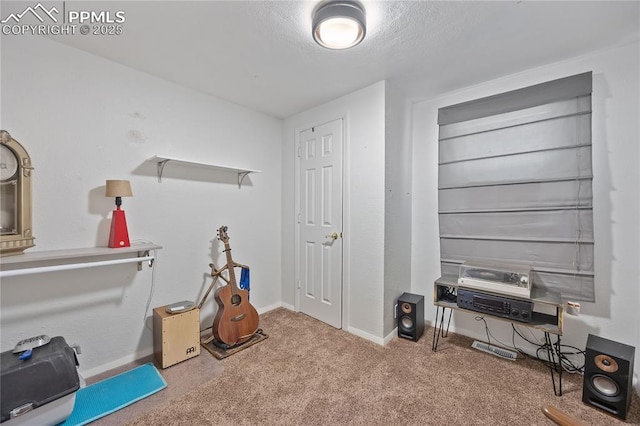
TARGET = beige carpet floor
(308,373)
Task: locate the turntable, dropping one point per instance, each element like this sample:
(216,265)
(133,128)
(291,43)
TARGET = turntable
(506,279)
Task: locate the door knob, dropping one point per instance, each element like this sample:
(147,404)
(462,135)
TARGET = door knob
(334,236)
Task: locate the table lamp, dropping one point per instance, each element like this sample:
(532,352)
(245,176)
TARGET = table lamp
(119,236)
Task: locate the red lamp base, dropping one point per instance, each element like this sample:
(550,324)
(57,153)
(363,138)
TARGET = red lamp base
(119,236)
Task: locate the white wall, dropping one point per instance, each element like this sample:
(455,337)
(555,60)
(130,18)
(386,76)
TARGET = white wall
(397,228)
(616,186)
(363,112)
(84,120)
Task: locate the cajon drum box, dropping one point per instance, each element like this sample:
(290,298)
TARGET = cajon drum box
(176,337)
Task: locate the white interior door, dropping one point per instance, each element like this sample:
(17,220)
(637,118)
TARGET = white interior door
(320,218)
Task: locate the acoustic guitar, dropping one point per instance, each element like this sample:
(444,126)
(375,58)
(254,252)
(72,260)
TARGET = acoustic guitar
(236,320)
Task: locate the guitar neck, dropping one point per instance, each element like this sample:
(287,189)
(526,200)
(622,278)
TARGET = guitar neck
(232,274)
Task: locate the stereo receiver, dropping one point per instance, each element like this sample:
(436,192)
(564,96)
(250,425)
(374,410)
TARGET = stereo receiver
(500,306)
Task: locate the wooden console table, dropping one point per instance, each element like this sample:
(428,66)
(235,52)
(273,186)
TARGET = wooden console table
(549,322)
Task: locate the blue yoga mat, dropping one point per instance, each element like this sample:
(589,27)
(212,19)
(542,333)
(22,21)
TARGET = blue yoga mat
(112,394)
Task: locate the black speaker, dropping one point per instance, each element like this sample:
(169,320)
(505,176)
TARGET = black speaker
(608,375)
(410,314)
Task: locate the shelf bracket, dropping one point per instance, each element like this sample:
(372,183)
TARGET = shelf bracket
(160,166)
(241,176)
(145,254)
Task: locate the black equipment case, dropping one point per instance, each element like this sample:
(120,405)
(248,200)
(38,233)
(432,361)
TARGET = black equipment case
(42,387)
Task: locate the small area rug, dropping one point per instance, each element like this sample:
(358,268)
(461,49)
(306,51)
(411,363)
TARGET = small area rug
(207,342)
(112,394)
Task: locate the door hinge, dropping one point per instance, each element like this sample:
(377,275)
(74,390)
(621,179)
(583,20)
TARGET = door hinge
(299,151)
(299,285)
(299,218)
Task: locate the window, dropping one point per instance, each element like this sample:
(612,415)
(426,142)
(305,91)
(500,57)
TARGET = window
(514,184)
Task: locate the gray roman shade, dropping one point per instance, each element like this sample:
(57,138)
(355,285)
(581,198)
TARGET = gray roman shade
(514,184)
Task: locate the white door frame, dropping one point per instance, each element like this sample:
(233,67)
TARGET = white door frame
(345,214)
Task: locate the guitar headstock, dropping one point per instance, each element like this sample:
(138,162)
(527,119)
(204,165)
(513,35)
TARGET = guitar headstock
(222,234)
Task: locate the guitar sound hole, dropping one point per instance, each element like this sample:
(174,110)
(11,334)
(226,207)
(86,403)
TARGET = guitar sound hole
(236,299)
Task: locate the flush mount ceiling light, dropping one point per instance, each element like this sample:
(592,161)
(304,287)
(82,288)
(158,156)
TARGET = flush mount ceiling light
(339,24)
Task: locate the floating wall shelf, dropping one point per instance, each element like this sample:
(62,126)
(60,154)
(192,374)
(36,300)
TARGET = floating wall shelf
(61,260)
(162,161)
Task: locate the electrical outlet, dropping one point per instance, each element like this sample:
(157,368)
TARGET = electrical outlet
(573,308)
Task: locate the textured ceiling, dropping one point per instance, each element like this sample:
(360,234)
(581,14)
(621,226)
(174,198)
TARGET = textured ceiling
(260,54)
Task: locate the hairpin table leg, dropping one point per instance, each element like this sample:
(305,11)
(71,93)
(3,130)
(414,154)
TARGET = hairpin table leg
(439,330)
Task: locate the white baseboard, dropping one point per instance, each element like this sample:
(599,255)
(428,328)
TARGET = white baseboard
(366,335)
(391,335)
(271,308)
(149,351)
(276,306)
(352,330)
(114,364)
(289,307)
